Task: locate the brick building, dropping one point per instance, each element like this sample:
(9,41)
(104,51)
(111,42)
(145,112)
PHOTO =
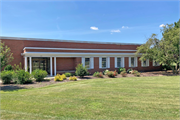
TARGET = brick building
(59,56)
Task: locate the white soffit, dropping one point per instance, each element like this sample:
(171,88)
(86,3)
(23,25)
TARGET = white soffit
(43,48)
(73,54)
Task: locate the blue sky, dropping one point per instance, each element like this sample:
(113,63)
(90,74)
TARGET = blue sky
(102,21)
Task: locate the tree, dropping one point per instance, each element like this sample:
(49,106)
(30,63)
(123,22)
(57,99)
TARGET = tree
(164,51)
(5,54)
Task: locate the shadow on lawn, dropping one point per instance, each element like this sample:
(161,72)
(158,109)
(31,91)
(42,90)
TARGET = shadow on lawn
(7,88)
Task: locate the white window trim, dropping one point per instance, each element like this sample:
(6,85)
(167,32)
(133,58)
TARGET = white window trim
(147,63)
(107,62)
(91,62)
(154,64)
(122,61)
(135,61)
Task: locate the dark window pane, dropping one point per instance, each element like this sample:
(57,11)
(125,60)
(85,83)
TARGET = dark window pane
(144,63)
(87,62)
(132,61)
(118,62)
(103,62)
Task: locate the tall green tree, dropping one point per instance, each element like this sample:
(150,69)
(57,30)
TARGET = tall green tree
(5,54)
(166,50)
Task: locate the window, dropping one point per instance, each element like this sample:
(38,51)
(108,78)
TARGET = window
(104,63)
(119,62)
(133,62)
(145,63)
(87,62)
(155,63)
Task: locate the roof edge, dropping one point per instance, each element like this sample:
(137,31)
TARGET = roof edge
(59,40)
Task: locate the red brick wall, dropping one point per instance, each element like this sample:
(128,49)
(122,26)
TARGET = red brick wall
(65,64)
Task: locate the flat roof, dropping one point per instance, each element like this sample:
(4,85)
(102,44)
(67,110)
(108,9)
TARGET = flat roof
(59,40)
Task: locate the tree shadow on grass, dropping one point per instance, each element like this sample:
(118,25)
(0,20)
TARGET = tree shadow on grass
(6,88)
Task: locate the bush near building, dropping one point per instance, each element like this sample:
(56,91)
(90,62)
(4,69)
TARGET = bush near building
(39,74)
(80,70)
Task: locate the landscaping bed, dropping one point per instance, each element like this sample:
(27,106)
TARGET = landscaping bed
(50,81)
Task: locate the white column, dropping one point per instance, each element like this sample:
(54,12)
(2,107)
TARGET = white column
(54,66)
(122,61)
(30,64)
(83,61)
(25,64)
(115,61)
(51,66)
(108,62)
(100,62)
(129,61)
(136,62)
(92,62)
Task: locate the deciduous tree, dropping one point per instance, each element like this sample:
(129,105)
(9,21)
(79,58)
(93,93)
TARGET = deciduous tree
(5,54)
(166,50)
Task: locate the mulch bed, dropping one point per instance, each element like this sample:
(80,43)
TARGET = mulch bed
(10,87)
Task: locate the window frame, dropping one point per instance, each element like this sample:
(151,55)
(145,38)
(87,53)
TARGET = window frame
(157,63)
(91,62)
(116,61)
(102,62)
(147,63)
(135,61)
(107,62)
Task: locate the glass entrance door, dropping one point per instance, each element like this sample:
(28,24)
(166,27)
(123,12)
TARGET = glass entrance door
(41,63)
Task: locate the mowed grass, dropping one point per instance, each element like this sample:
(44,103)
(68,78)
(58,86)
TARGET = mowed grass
(117,98)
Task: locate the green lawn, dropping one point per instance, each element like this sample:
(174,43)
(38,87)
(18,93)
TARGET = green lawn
(117,98)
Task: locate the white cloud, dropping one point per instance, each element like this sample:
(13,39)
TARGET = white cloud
(162,25)
(94,28)
(125,27)
(115,31)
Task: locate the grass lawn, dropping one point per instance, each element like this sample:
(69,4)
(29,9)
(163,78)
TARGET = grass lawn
(117,98)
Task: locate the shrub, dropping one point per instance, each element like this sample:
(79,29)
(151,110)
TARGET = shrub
(6,76)
(59,77)
(8,68)
(135,73)
(105,72)
(112,73)
(124,73)
(63,76)
(21,77)
(73,74)
(80,70)
(121,69)
(88,73)
(98,74)
(129,70)
(17,67)
(67,74)
(39,74)
(73,78)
